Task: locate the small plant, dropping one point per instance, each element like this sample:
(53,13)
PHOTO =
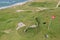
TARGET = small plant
(38,22)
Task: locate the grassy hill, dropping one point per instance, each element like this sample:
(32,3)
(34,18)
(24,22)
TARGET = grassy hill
(9,19)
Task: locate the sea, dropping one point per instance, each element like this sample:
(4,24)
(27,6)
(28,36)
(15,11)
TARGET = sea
(4,3)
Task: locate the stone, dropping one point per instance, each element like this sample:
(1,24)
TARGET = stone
(21,24)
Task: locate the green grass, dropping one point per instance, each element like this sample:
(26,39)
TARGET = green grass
(9,19)
(43,4)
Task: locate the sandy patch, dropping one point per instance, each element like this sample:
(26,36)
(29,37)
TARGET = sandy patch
(41,8)
(33,26)
(7,31)
(19,10)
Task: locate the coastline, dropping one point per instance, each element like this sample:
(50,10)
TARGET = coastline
(16,4)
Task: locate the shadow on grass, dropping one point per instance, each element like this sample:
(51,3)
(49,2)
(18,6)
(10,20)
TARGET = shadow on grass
(1,33)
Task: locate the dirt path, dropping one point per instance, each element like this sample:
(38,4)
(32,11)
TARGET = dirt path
(38,9)
(58,4)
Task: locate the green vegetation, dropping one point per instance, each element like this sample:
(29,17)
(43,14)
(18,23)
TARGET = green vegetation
(9,19)
(43,4)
